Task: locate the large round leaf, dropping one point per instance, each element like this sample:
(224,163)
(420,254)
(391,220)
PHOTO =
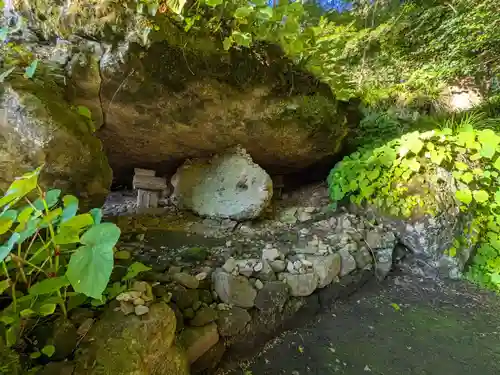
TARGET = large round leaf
(90,266)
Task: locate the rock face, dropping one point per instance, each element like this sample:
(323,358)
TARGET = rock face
(133,345)
(428,237)
(229,186)
(173,102)
(37,126)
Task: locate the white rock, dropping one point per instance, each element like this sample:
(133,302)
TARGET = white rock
(230,265)
(141,310)
(201,276)
(258,284)
(278,265)
(326,267)
(230,186)
(271,254)
(302,285)
(258,267)
(306,263)
(297,264)
(234,290)
(348,263)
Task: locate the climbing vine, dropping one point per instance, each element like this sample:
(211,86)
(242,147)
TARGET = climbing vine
(405,177)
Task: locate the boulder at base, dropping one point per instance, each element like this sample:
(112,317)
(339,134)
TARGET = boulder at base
(125,345)
(37,126)
(229,186)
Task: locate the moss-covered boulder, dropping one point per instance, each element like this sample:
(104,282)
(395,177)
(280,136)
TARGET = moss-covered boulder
(126,345)
(38,126)
(169,103)
(166,95)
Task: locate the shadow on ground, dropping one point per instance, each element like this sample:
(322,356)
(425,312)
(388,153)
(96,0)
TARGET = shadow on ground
(406,326)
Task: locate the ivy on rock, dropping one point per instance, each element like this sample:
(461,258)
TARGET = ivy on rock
(401,177)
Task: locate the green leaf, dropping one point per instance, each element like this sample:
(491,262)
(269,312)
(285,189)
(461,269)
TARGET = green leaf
(96,215)
(21,187)
(213,3)
(467,177)
(228,42)
(69,212)
(497,164)
(480,196)
(25,215)
(26,313)
(35,355)
(135,269)
(11,336)
(79,222)
(265,14)
(47,309)
(5,224)
(464,196)
(4,285)
(51,199)
(461,166)
(6,249)
(489,143)
(49,350)
(243,12)
(6,73)
(48,286)
(242,39)
(90,265)
(69,200)
(29,72)
(51,217)
(84,111)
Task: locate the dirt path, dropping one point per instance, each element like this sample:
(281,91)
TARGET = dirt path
(404,327)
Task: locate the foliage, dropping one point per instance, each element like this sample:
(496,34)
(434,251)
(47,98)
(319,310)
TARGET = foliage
(50,255)
(402,178)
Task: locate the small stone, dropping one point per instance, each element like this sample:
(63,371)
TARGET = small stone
(309,210)
(122,255)
(234,290)
(140,286)
(223,306)
(272,296)
(204,316)
(306,263)
(297,264)
(126,307)
(141,310)
(348,263)
(183,297)
(186,280)
(197,305)
(174,269)
(232,321)
(281,277)
(206,297)
(363,257)
(160,290)
(201,276)
(189,313)
(290,268)
(302,285)
(326,267)
(258,267)
(304,216)
(258,284)
(230,265)
(198,340)
(229,243)
(271,254)
(278,265)
(139,301)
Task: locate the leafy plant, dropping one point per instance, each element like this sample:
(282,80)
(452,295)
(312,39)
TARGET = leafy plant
(50,255)
(402,177)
